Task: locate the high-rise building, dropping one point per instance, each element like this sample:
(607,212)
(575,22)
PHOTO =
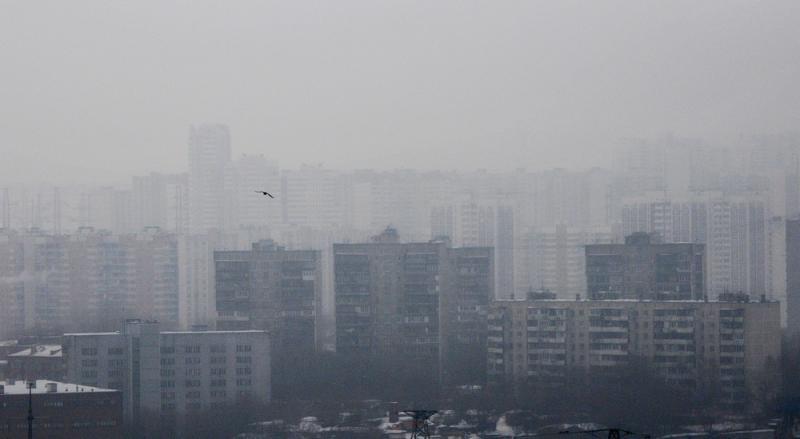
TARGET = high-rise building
(209,154)
(172,374)
(689,343)
(554,258)
(313,196)
(89,280)
(419,301)
(484,223)
(793,276)
(270,288)
(161,200)
(645,269)
(244,206)
(110,209)
(733,227)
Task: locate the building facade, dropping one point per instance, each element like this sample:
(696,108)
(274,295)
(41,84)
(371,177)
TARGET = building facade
(172,373)
(209,154)
(733,227)
(645,269)
(89,280)
(423,301)
(793,276)
(270,288)
(37,362)
(554,257)
(689,343)
(60,410)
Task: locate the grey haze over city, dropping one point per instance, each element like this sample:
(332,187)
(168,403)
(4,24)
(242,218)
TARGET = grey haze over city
(96,90)
(400,219)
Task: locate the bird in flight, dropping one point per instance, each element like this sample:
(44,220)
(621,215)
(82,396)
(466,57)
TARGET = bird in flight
(265,193)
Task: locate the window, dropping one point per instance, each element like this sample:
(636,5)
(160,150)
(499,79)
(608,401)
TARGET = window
(166,350)
(244,360)
(89,363)
(114,351)
(217,348)
(243,348)
(217,371)
(89,374)
(192,360)
(194,349)
(89,351)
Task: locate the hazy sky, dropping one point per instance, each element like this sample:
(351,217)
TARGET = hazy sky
(100,88)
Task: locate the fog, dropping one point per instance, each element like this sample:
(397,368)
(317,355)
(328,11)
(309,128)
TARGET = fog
(369,219)
(92,90)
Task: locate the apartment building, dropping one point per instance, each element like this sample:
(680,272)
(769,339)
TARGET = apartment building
(686,342)
(172,373)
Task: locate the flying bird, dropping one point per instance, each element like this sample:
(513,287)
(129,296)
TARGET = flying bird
(265,193)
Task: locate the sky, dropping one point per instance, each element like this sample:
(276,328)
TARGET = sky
(98,90)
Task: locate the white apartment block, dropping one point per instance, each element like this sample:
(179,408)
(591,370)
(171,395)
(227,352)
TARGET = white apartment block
(734,228)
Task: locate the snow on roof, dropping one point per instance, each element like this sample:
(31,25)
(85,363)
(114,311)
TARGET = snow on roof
(20,387)
(48,351)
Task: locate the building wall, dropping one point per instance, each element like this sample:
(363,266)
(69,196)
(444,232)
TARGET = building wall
(684,341)
(172,373)
(793,276)
(270,288)
(644,269)
(62,415)
(423,301)
(209,153)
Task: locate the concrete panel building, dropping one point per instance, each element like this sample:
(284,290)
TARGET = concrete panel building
(270,288)
(644,268)
(172,373)
(424,301)
(686,342)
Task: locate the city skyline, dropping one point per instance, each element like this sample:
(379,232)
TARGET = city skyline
(412,84)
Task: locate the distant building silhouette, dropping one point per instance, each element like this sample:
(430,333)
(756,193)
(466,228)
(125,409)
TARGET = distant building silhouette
(209,154)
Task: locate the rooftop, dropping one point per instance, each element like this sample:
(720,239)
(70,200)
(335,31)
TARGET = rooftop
(20,387)
(39,351)
(523,299)
(246,331)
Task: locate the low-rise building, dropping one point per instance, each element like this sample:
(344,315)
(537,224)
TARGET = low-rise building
(36,363)
(172,373)
(689,343)
(59,410)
